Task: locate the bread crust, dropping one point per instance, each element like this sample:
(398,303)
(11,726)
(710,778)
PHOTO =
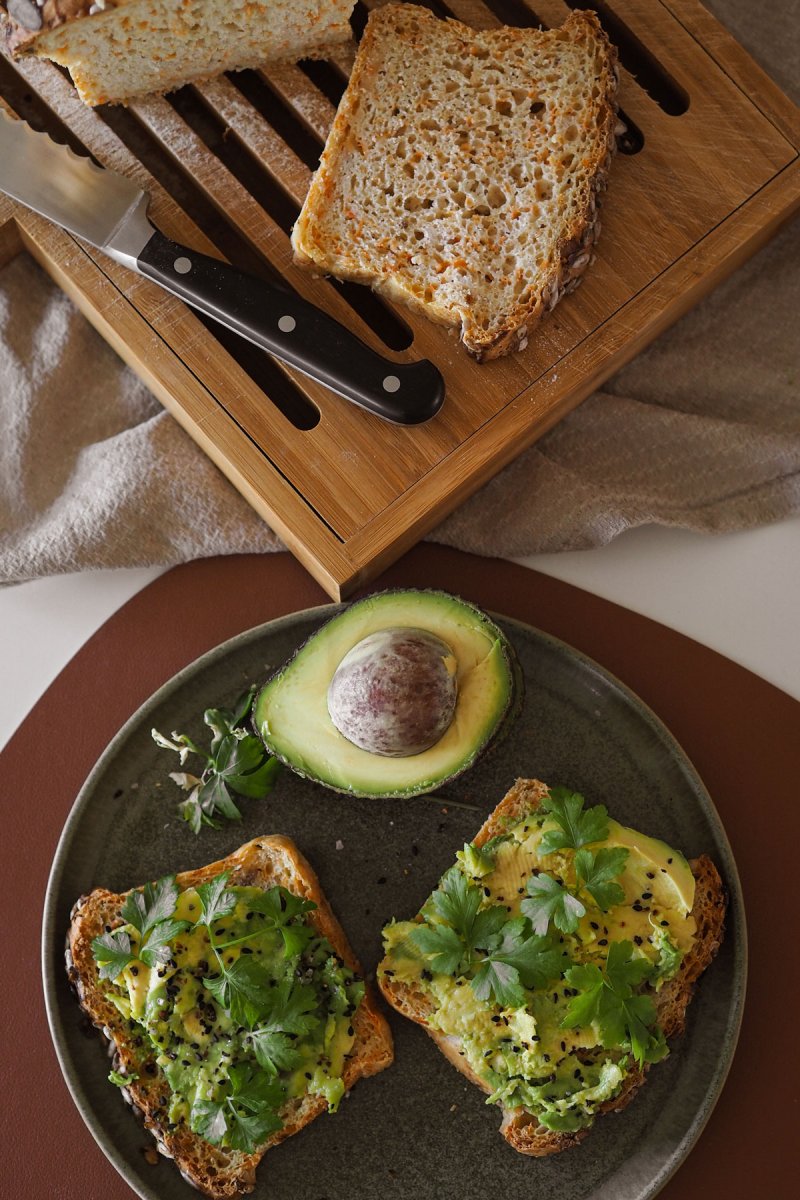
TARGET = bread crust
(264,862)
(520,1128)
(574,247)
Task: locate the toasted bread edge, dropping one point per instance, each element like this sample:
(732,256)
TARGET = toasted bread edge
(262,862)
(520,1128)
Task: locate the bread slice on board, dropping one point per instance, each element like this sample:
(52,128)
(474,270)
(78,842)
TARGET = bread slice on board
(463,170)
(116,50)
(520,1128)
(265,862)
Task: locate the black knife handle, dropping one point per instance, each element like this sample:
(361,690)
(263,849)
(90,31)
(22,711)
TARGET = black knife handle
(296,332)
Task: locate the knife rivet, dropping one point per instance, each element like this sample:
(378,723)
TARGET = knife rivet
(287,324)
(182,265)
(391,383)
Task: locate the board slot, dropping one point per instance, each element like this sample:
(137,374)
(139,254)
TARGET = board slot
(326,78)
(638,61)
(515,12)
(358,19)
(300,139)
(269,378)
(278,388)
(282,208)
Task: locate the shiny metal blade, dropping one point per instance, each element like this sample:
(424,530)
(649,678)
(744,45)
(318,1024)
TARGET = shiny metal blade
(52,180)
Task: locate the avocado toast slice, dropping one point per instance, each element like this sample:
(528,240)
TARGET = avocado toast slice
(232,1001)
(556,959)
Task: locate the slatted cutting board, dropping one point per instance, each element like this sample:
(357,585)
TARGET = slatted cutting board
(708,171)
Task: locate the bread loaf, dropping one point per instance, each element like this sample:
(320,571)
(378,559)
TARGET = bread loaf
(116,50)
(462,172)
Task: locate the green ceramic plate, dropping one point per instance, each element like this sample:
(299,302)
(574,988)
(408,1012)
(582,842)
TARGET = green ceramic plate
(418,1129)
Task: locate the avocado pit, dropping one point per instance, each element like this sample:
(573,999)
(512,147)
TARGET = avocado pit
(394,693)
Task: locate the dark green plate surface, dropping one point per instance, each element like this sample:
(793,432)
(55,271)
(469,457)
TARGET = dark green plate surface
(418,1129)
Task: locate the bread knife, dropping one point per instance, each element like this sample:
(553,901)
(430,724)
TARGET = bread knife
(110,212)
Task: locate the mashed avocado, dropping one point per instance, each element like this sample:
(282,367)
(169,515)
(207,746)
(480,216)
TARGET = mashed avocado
(244,1013)
(542,952)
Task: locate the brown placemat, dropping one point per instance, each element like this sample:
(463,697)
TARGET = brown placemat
(740,732)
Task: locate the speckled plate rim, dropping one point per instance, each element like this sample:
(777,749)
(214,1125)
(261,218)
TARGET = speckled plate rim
(50,932)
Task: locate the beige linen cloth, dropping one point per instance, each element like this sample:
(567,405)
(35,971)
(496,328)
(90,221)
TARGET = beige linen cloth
(702,430)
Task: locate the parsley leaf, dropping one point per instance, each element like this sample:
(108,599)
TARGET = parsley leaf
(236,762)
(242,989)
(112,953)
(290,1014)
(282,908)
(444,944)
(467,926)
(150,911)
(215,901)
(548,900)
(246,1117)
(155,902)
(624,1018)
(595,872)
(576,827)
(520,960)
(157,950)
(458,902)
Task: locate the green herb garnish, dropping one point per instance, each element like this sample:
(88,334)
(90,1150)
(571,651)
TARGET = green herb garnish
(291,1013)
(246,1116)
(519,960)
(150,911)
(549,899)
(236,762)
(606,996)
(507,954)
(576,827)
(244,988)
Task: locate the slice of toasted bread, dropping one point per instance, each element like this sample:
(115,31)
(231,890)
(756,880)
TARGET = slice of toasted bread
(265,862)
(462,172)
(520,1128)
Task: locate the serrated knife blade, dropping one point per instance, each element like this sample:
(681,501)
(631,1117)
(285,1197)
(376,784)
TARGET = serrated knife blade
(59,184)
(110,212)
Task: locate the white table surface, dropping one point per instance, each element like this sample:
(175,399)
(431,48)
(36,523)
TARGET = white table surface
(737,593)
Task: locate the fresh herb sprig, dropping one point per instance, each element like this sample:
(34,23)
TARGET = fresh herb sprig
(274,1017)
(606,995)
(243,988)
(151,912)
(235,762)
(596,871)
(508,957)
(246,1116)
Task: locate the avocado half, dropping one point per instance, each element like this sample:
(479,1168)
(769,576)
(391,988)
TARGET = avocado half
(291,717)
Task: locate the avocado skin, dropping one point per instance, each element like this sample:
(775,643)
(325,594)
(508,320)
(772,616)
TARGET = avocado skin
(418,774)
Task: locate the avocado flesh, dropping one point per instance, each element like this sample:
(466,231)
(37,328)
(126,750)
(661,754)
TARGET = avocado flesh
(196,1041)
(512,1050)
(291,712)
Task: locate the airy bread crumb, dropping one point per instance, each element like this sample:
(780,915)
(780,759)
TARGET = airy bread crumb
(462,171)
(116,50)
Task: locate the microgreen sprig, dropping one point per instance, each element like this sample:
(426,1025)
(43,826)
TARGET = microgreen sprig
(235,762)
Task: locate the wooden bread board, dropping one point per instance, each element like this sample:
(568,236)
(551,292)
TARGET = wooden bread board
(710,173)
